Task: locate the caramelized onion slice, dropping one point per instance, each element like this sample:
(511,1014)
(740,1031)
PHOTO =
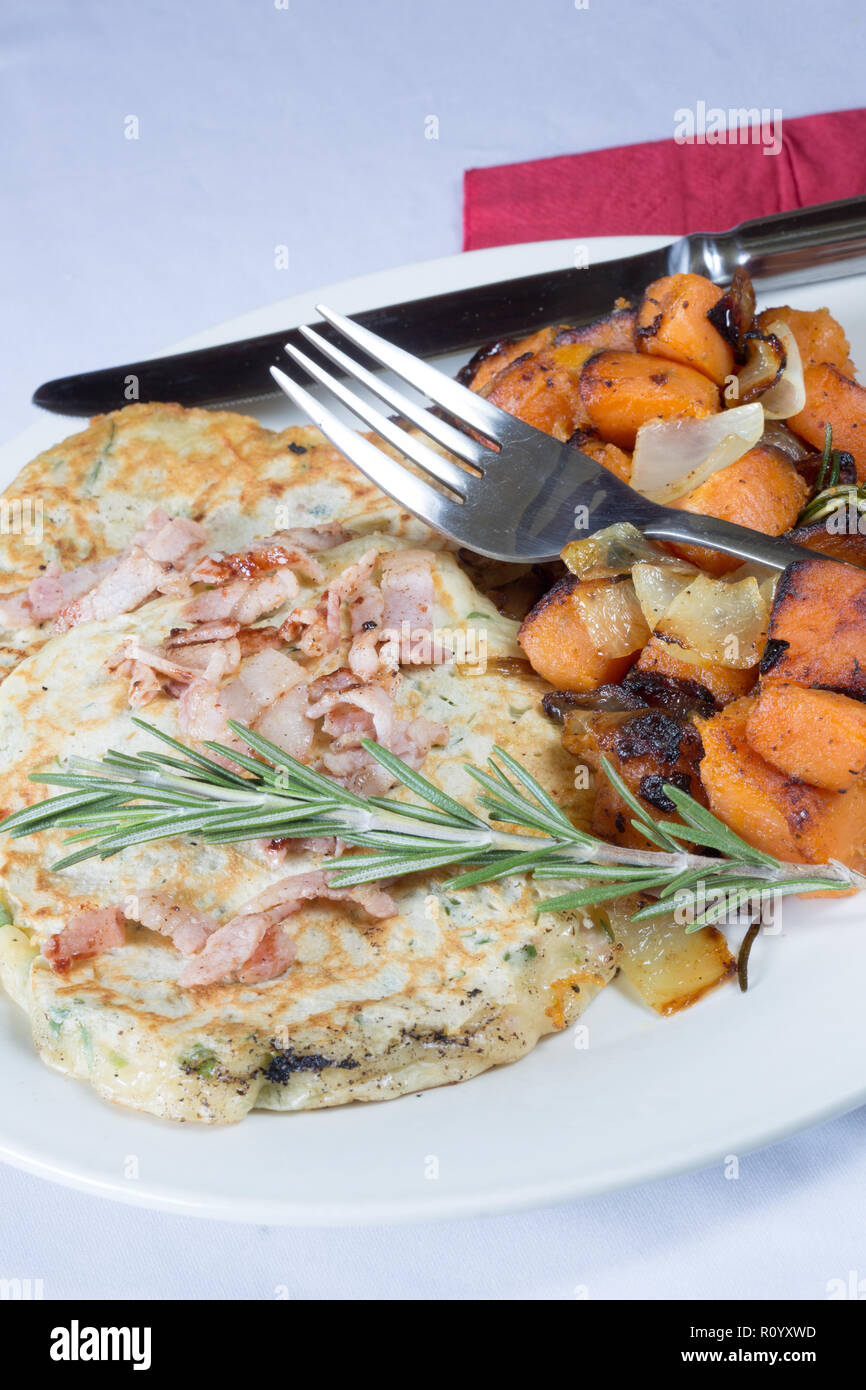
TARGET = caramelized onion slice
(788,394)
(722,622)
(671,457)
(670,968)
(780,437)
(734,314)
(613,618)
(614,551)
(765,363)
(657,586)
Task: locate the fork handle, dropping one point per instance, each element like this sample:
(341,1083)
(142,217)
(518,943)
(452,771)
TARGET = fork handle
(668,524)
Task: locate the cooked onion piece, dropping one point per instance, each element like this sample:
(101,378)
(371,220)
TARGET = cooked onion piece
(723,622)
(767,579)
(657,586)
(613,618)
(788,395)
(614,551)
(734,314)
(765,363)
(780,437)
(670,968)
(671,457)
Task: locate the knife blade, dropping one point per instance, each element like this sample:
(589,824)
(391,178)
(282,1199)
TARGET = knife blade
(787,248)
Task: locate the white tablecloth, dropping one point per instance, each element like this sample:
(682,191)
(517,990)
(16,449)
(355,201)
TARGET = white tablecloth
(301,125)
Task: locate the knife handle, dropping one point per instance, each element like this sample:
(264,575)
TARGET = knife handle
(787,248)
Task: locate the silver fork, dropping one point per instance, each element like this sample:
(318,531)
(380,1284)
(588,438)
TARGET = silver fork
(523,497)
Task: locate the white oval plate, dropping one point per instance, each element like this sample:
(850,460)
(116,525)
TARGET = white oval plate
(647,1098)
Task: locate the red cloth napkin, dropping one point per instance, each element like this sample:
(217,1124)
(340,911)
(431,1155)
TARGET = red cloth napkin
(665,187)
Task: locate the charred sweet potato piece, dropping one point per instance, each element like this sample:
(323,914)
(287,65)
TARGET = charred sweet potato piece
(832,397)
(647,748)
(774,812)
(818,335)
(559,643)
(621,391)
(616,330)
(762,490)
(489,361)
(672,323)
(542,389)
(817,631)
(817,736)
(848,546)
(608,455)
(723,683)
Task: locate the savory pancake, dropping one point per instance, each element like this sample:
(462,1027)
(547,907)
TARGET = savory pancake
(450,984)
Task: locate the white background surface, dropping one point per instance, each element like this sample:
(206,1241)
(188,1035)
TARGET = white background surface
(304,128)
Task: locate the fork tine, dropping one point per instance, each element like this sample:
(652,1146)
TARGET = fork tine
(452,439)
(409,491)
(460,402)
(444,469)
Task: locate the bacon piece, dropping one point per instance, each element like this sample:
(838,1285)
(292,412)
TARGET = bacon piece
(173,541)
(149,672)
(413,739)
(129,583)
(263,557)
(322,623)
(203,709)
(341,679)
(243,600)
(235,945)
(272,957)
(256,639)
(369,700)
(16,610)
(185,927)
(286,722)
(278,849)
(200,713)
(215,631)
(85,935)
(325,536)
(407,589)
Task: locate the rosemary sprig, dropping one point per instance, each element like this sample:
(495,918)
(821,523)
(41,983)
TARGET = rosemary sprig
(829,495)
(133,798)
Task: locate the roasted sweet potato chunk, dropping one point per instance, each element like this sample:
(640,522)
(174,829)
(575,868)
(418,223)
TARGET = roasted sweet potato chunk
(833,398)
(774,812)
(817,632)
(560,642)
(762,490)
(608,455)
(542,389)
(615,330)
(722,682)
(848,546)
(814,735)
(621,391)
(672,323)
(489,361)
(648,748)
(818,335)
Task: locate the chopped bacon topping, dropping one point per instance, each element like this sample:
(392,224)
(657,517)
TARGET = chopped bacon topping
(407,589)
(186,928)
(85,935)
(243,600)
(235,947)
